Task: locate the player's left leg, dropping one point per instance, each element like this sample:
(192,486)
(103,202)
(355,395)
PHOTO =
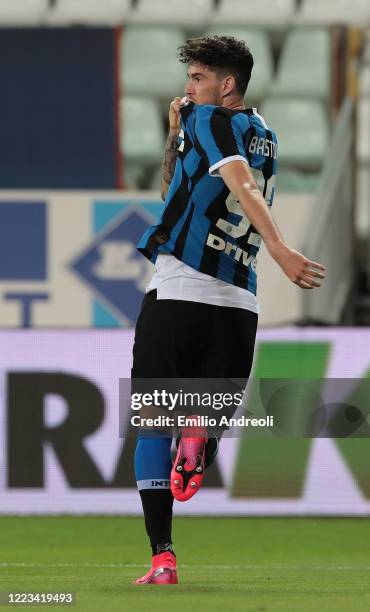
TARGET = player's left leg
(152,470)
(162,350)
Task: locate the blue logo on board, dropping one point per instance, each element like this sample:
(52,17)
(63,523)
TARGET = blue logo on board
(113,268)
(23,253)
(23,244)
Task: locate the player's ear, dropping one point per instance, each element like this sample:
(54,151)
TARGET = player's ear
(228,84)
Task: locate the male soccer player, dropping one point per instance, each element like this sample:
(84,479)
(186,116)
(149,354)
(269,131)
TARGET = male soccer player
(199,315)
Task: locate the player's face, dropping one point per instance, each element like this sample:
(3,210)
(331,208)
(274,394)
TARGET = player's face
(204,86)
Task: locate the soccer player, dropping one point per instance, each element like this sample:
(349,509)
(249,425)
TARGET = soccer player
(199,314)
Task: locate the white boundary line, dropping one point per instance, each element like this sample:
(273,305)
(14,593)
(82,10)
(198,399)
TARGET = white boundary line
(195,567)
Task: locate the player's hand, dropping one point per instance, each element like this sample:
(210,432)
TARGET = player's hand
(174,113)
(303,272)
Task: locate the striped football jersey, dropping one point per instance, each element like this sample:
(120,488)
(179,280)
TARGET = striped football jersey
(202,223)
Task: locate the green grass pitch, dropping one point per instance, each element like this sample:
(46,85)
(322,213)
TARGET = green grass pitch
(260,564)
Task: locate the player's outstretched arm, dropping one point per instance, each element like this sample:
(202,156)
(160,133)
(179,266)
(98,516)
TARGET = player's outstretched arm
(300,270)
(170,152)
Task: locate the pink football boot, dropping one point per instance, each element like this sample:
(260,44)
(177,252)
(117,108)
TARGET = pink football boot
(163,570)
(188,468)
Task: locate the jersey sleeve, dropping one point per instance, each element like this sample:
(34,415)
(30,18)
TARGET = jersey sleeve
(219,137)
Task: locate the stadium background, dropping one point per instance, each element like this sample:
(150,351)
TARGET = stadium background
(85,91)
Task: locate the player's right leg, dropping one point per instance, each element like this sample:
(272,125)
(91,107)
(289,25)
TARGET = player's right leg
(227,355)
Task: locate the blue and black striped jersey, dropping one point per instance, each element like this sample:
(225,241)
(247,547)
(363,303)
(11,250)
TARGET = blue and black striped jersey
(202,224)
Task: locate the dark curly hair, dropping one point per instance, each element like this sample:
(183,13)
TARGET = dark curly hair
(224,54)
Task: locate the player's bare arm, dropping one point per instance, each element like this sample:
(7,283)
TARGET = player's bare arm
(300,270)
(170,152)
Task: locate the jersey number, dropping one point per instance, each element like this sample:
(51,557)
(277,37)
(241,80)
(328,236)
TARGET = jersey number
(233,206)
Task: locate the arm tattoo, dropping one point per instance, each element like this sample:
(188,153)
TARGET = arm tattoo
(169,162)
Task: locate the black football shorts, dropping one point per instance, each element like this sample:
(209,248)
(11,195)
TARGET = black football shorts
(181,339)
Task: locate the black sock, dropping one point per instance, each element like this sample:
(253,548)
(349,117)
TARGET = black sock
(161,548)
(157,506)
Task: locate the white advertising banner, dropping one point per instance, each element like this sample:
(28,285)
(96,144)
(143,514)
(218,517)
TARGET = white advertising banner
(62,248)
(69,259)
(61,450)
